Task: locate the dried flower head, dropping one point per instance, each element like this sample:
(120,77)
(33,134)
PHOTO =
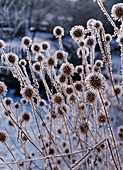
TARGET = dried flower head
(99,63)
(108,37)
(62,78)
(8,101)
(24,101)
(117,11)
(58,98)
(96,81)
(26,41)
(3,137)
(77,32)
(69,89)
(67,68)
(17,105)
(10,123)
(61,55)
(36,47)
(36,67)
(106,103)
(79,69)
(91,96)
(41,102)
(2,44)
(81,106)
(39,57)
(22,62)
(120,131)
(7,112)
(3,88)
(28,92)
(81,42)
(51,151)
(102,118)
(50,61)
(97,24)
(12,58)
(96,69)
(90,41)
(26,116)
(118,90)
(78,85)
(120,39)
(58,31)
(90,23)
(45,46)
(72,98)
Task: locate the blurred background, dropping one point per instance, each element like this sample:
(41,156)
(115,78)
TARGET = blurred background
(37,18)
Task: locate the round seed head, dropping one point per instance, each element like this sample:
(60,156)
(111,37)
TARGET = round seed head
(102,118)
(12,58)
(82,43)
(117,11)
(97,24)
(99,63)
(28,92)
(72,98)
(50,61)
(26,41)
(79,69)
(78,85)
(3,137)
(58,31)
(91,96)
(36,67)
(90,23)
(24,101)
(8,101)
(67,68)
(3,88)
(62,78)
(60,55)
(51,151)
(22,62)
(10,123)
(36,47)
(58,98)
(77,32)
(2,44)
(69,89)
(45,46)
(84,127)
(108,37)
(41,102)
(17,105)
(81,107)
(90,41)
(118,90)
(120,39)
(26,116)
(106,103)
(39,57)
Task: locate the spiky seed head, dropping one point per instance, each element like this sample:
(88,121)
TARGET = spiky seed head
(77,32)
(82,42)
(26,41)
(67,68)
(97,24)
(28,92)
(84,127)
(101,118)
(118,90)
(8,101)
(26,116)
(69,89)
(50,61)
(58,31)
(62,78)
(58,98)
(78,85)
(99,63)
(17,105)
(61,55)
(90,23)
(41,102)
(91,96)
(90,41)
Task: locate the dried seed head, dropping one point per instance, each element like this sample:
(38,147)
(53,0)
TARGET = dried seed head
(51,151)
(3,88)
(62,78)
(7,112)
(26,116)
(24,101)
(72,98)
(61,55)
(81,106)
(39,57)
(96,69)
(41,102)
(36,47)
(108,37)
(3,137)
(26,41)
(67,68)
(2,44)
(120,131)
(58,98)
(45,46)
(97,24)
(96,81)
(12,58)
(106,103)
(78,85)
(79,69)
(82,42)
(77,32)
(118,90)
(58,31)
(10,123)
(84,127)
(117,11)
(120,39)
(102,118)
(50,61)
(90,23)
(8,101)
(69,89)
(99,63)
(91,96)
(28,92)
(22,62)
(17,105)
(90,41)
(36,67)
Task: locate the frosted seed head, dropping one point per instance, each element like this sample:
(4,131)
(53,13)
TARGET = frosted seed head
(58,31)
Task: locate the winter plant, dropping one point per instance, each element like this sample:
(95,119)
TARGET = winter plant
(72,127)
